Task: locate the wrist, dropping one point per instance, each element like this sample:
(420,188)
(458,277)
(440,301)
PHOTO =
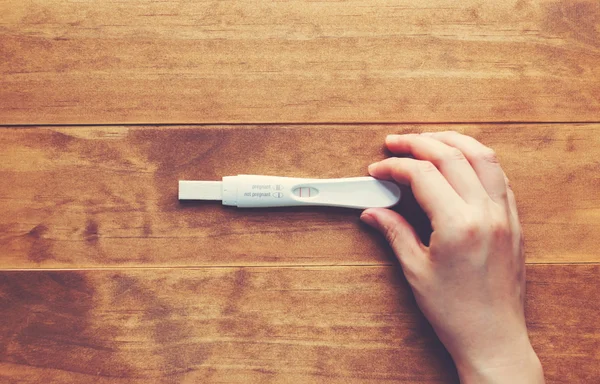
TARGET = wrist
(522,366)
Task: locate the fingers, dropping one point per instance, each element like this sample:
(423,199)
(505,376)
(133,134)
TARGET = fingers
(432,191)
(398,232)
(449,160)
(482,159)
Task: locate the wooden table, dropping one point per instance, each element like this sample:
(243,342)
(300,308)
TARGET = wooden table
(106,278)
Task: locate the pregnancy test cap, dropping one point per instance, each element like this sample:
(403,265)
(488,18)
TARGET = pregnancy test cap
(255,191)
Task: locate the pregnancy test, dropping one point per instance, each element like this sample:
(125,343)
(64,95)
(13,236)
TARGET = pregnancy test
(255,191)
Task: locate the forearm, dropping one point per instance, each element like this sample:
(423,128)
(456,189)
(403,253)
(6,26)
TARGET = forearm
(526,370)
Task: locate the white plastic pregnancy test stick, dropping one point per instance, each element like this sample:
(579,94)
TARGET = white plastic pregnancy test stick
(254,191)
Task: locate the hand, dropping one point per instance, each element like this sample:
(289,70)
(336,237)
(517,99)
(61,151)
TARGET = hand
(470,281)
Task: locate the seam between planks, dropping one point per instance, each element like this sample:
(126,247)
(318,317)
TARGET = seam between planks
(348,123)
(294,266)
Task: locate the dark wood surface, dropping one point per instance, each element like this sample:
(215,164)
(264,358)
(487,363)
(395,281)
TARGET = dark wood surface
(346,324)
(107,196)
(105,277)
(144,61)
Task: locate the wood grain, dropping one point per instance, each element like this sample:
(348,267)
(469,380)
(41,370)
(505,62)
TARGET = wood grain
(295,295)
(144,61)
(275,325)
(107,196)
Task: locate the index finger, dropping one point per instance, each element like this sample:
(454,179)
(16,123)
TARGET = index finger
(433,192)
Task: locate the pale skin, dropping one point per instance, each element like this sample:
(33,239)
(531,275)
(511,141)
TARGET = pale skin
(470,281)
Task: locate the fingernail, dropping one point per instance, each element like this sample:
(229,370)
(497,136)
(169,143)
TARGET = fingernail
(372,167)
(392,137)
(427,133)
(367,219)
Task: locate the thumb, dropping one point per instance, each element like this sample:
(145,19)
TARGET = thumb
(398,232)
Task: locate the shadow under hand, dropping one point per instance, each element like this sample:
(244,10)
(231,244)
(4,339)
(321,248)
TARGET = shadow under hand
(409,208)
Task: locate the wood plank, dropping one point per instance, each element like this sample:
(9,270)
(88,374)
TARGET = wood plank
(107,196)
(144,61)
(275,325)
